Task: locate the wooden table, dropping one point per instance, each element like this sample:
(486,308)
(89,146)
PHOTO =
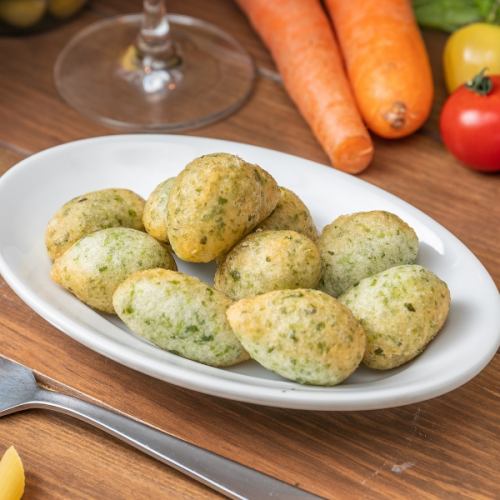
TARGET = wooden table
(447,447)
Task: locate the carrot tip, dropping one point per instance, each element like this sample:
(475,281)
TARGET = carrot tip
(353,155)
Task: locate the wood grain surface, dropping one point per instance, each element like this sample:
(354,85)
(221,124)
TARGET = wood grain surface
(444,448)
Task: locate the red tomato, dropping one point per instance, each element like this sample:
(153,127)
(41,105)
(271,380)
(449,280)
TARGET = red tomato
(470,125)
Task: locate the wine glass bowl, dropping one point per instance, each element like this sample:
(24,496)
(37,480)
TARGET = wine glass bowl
(154,71)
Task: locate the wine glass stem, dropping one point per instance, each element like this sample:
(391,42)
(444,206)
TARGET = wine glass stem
(154,42)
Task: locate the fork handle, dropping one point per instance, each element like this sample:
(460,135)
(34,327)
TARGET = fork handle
(221,474)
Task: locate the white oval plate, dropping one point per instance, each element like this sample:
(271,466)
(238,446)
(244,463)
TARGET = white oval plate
(31,192)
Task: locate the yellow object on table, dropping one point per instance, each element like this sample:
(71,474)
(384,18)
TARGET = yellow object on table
(29,16)
(11,475)
(63,9)
(22,14)
(468,51)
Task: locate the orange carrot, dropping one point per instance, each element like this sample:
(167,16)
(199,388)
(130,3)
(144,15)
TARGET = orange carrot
(302,43)
(386,61)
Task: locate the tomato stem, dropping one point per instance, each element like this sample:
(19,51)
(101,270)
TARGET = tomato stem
(481,84)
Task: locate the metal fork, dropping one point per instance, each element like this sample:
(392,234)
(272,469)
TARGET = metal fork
(20,391)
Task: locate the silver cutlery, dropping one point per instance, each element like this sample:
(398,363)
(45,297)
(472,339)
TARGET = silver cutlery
(20,391)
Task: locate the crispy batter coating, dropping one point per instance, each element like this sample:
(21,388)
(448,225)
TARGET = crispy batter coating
(91,212)
(269,260)
(215,201)
(303,335)
(155,211)
(181,314)
(359,245)
(94,266)
(401,309)
(290,213)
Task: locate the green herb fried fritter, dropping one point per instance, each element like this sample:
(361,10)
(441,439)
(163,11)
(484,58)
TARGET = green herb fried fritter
(290,213)
(401,309)
(215,201)
(269,260)
(303,335)
(181,314)
(91,212)
(359,245)
(155,211)
(94,266)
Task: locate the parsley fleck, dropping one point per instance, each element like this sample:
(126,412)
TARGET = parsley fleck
(235,274)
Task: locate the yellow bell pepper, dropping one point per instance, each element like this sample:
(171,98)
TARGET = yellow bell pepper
(468,51)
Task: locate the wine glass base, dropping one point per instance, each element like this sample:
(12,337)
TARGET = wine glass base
(100,74)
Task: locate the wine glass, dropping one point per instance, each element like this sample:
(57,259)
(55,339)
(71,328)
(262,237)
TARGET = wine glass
(154,71)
